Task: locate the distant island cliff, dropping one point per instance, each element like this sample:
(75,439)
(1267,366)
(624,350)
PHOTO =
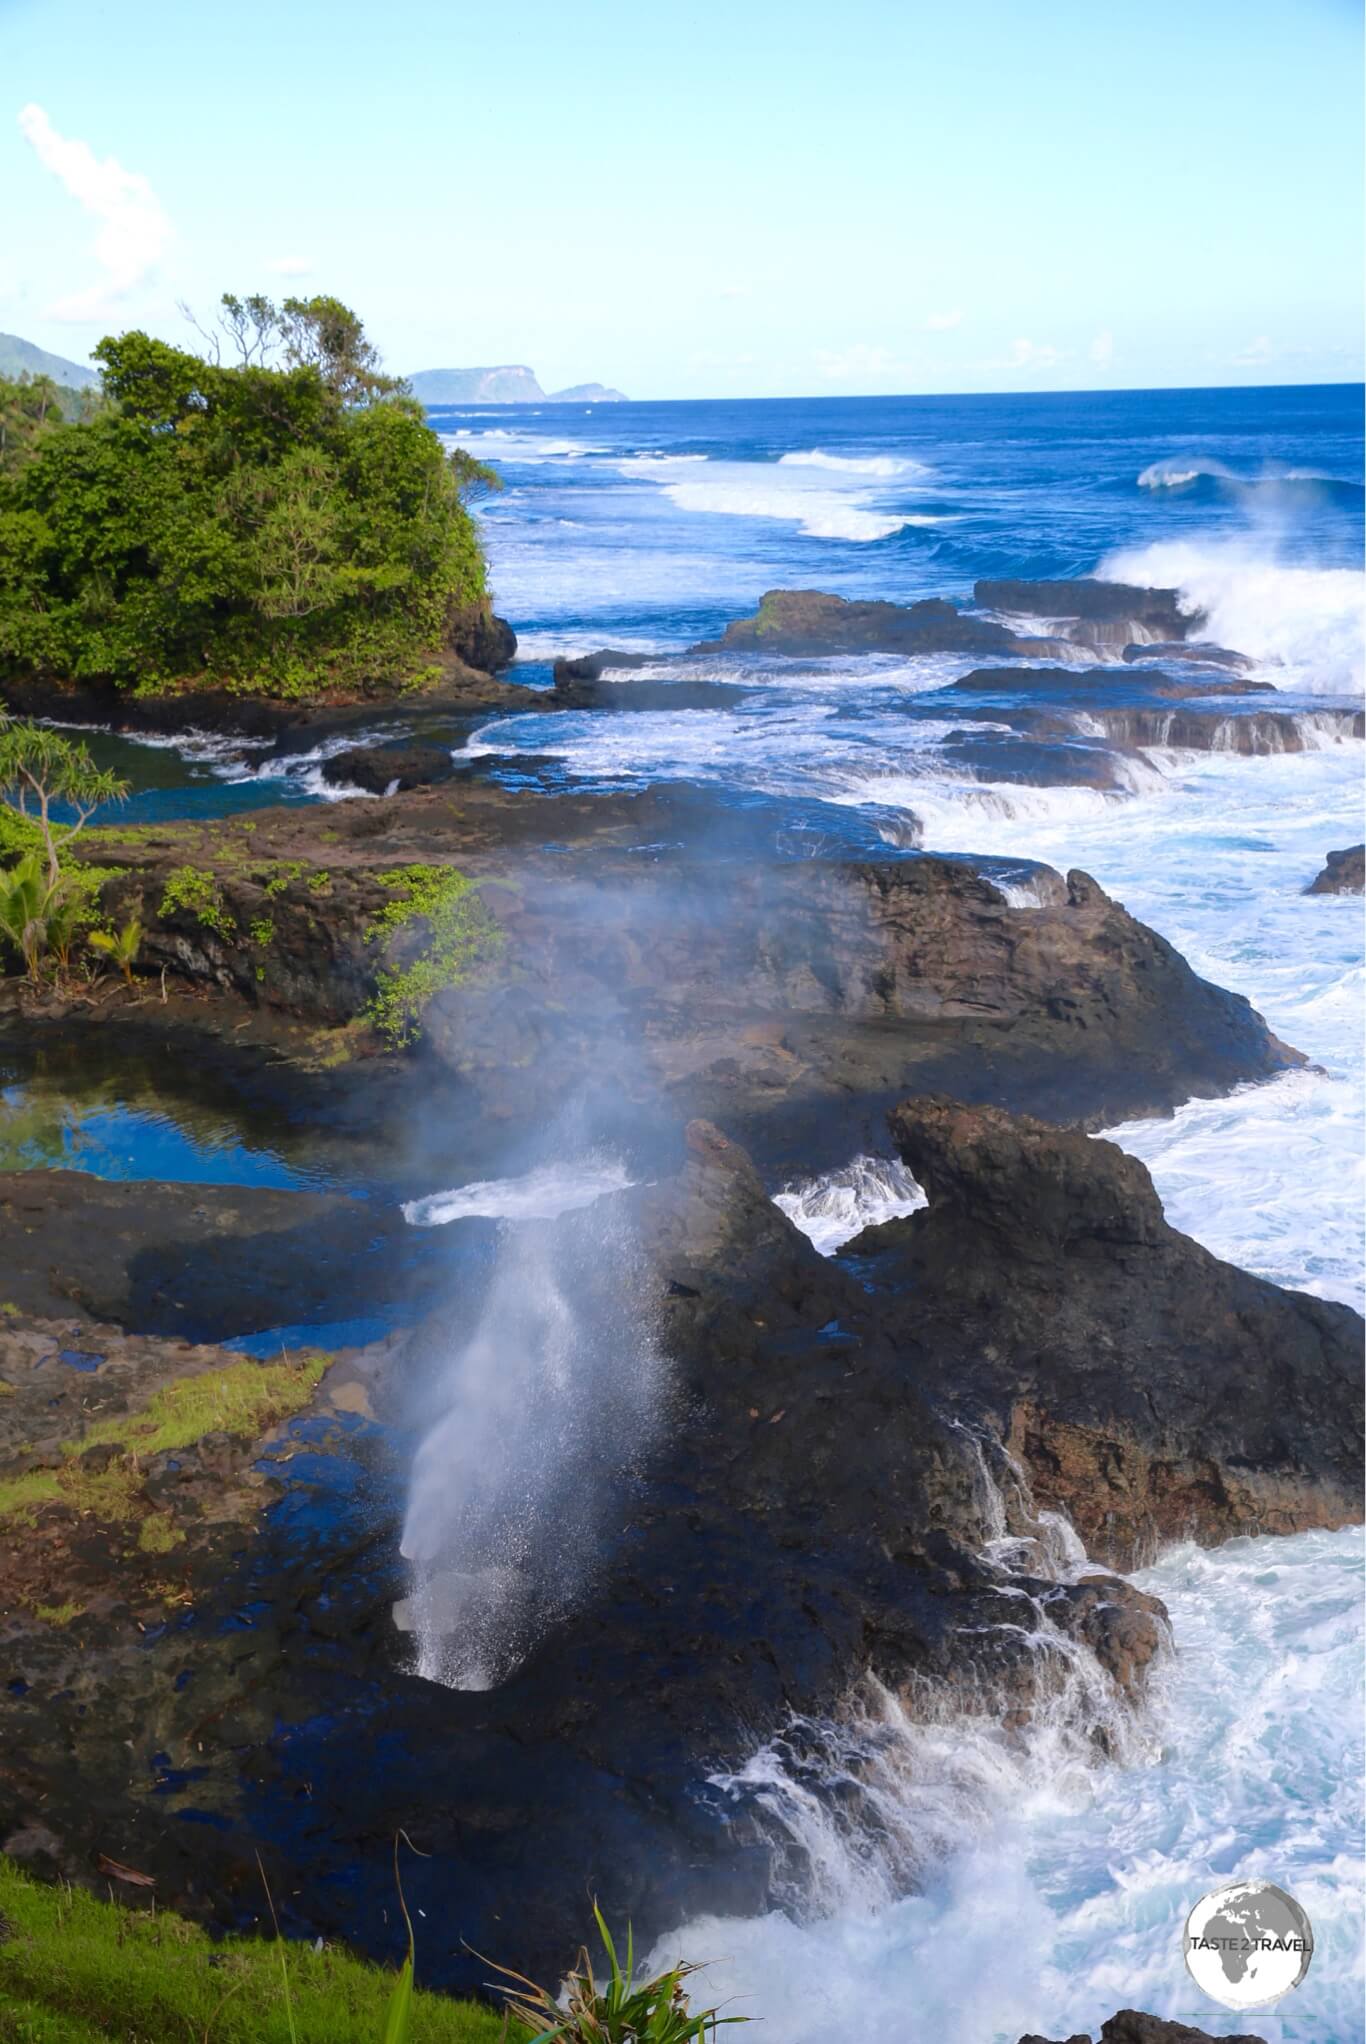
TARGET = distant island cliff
(19,357)
(507,384)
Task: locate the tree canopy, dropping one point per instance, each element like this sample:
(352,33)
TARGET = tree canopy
(280,523)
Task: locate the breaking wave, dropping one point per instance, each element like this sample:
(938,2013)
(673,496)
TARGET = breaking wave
(1061,1886)
(832,1209)
(886,465)
(800,491)
(1305,624)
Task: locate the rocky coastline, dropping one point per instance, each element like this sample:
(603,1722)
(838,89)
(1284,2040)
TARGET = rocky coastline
(199,1545)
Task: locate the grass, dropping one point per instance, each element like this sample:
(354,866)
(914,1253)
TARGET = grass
(242,1400)
(76,1970)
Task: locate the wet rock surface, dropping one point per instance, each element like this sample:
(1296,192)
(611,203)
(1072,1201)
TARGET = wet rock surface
(1094,602)
(1343,873)
(1151,1391)
(807,621)
(802,1516)
(826,987)
(811,1510)
(389,769)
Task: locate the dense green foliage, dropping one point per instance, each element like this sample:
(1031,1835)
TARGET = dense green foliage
(460,935)
(74,1970)
(282,524)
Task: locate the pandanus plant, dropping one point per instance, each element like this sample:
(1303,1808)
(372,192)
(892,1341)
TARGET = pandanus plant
(618,2012)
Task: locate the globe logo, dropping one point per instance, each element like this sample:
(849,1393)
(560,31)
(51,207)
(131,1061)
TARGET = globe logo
(1248,1944)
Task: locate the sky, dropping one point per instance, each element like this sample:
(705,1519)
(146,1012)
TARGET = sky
(704,198)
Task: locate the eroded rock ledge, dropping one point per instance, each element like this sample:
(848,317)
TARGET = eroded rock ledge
(685,946)
(1150,1390)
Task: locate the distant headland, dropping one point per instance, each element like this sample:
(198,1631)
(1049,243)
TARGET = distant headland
(23,358)
(507,384)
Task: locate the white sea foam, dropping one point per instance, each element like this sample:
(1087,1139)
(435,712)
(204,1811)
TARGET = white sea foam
(829,502)
(1175,472)
(304,769)
(887,465)
(1305,623)
(833,1208)
(1063,1886)
(523,449)
(538,1195)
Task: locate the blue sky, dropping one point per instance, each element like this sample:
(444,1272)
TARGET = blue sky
(707,197)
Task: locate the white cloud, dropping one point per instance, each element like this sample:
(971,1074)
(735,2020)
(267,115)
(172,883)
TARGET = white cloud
(736,291)
(944,322)
(135,226)
(290,266)
(1028,355)
(1255,354)
(862,359)
(1103,347)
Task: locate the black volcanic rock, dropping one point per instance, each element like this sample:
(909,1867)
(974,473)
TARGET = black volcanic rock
(1149,1389)
(579,684)
(381,769)
(1093,602)
(793,1000)
(480,639)
(1201,654)
(1130,2026)
(1343,873)
(807,621)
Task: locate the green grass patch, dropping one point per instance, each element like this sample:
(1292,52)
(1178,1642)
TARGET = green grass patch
(244,1400)
(57,1614)
(75,1970)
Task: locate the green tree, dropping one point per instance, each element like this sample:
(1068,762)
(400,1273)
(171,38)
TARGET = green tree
(280,525)
(40,770)
(323,334)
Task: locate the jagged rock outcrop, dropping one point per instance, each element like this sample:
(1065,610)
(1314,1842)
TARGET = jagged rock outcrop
(1150,1390)
(1200,653)
(1098,682)
(1343,873)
